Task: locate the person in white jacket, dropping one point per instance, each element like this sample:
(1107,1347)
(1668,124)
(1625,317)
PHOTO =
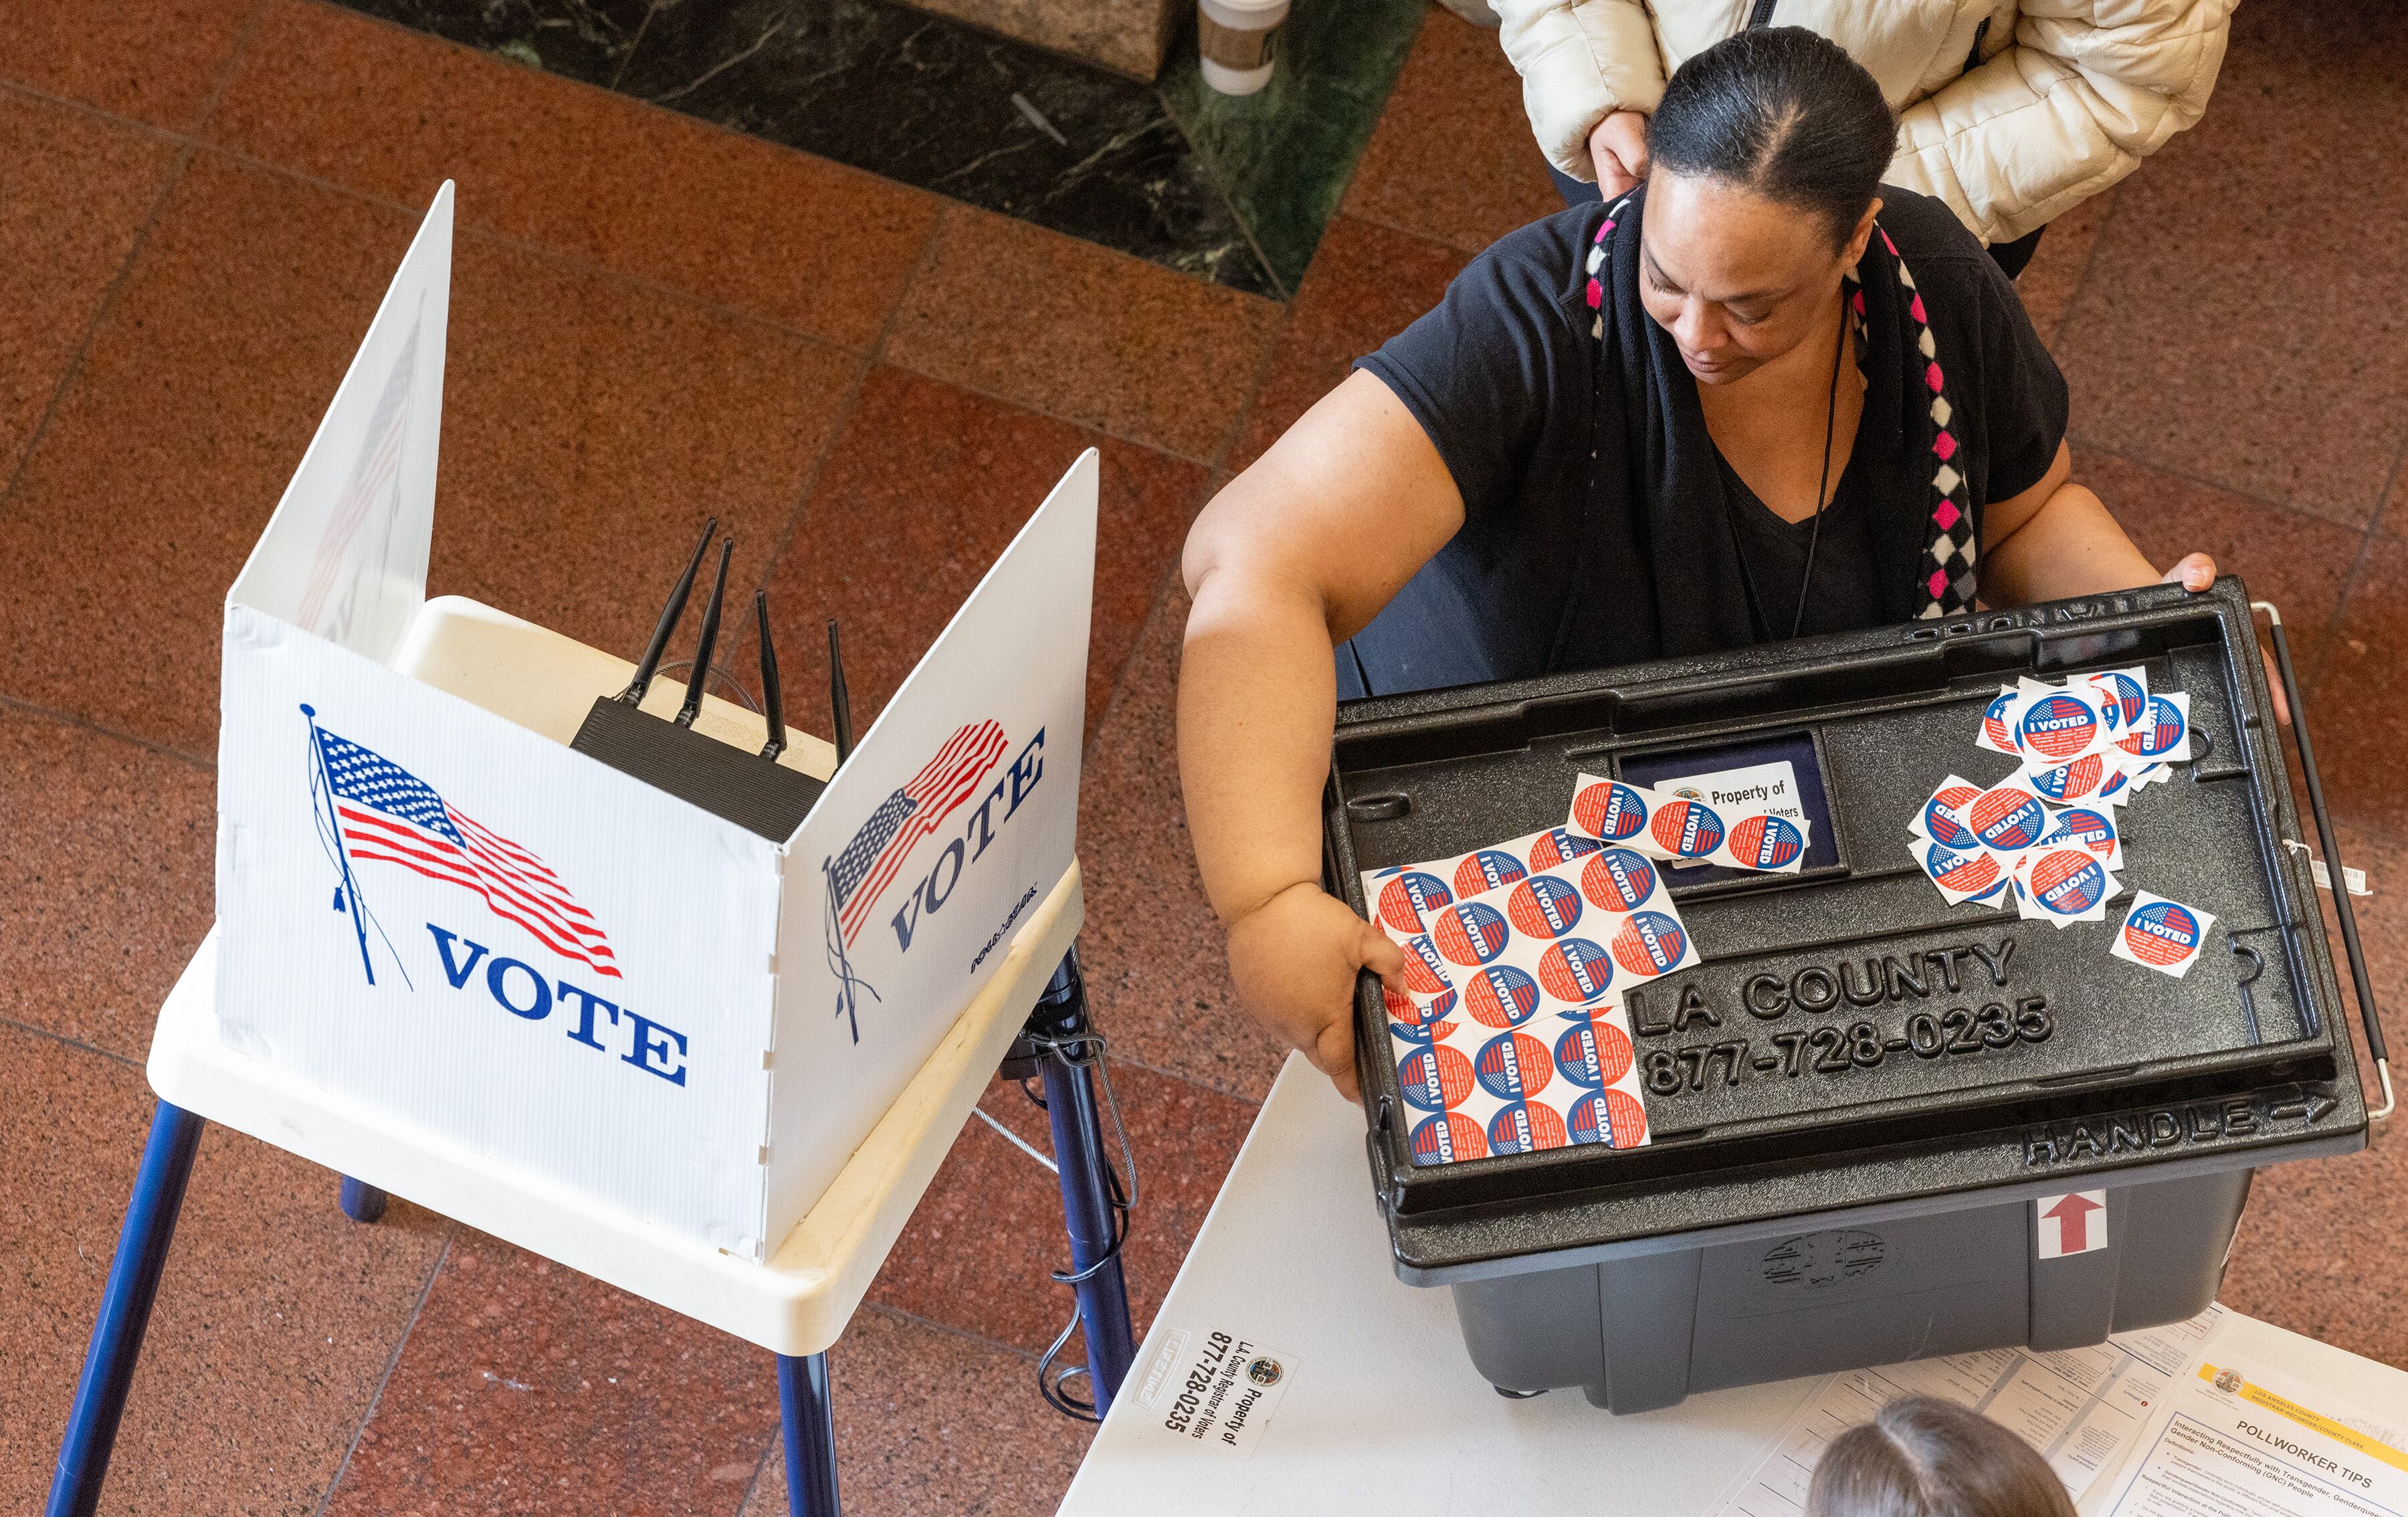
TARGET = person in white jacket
(2010,111)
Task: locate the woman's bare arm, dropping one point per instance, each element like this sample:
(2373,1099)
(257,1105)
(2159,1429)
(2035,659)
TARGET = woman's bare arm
(1294,556)
(2058,540)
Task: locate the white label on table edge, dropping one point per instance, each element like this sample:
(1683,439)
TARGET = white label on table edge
(1213,1389)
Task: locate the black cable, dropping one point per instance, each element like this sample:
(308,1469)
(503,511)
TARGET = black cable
(1823,476)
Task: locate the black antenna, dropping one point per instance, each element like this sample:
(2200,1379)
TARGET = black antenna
(701,671)
(773,708)
(634,693)
(839,703)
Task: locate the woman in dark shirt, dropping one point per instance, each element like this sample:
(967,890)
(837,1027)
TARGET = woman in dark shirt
(1759,397)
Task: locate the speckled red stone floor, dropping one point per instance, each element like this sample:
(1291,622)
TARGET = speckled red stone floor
(200,201)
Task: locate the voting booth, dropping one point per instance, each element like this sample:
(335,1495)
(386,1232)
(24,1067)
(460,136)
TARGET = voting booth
(1857,1094)
(430,905)
(696,1006)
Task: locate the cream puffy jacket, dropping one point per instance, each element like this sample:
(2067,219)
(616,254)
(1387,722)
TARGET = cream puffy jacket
(2063,97)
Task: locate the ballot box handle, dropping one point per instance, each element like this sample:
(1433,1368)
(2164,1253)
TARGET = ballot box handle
(2332,857)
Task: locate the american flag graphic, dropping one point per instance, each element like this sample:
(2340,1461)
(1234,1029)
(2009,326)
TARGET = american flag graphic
(390,816)
(379,466)
(867,864)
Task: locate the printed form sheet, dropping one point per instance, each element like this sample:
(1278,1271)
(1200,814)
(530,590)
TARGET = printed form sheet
(2083,1408)
(2236,1437)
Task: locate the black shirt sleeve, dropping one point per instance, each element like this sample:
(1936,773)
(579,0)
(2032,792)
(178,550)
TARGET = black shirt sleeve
(1486,369)
(2024,393)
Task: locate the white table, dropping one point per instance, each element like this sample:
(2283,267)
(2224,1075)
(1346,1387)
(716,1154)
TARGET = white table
(1381,1413)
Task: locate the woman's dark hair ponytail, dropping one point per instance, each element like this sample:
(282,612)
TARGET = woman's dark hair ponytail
(1784,112)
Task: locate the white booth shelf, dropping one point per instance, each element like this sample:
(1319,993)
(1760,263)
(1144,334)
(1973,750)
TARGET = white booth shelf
(795,1304)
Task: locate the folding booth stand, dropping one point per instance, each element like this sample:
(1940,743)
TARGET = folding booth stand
(750,1070)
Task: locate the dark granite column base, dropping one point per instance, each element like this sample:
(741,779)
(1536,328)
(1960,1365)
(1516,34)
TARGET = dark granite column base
(1231,189)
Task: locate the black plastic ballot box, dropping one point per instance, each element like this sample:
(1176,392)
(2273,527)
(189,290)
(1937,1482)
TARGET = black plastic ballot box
(1795,1215)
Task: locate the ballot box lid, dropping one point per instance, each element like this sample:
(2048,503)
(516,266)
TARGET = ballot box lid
(1840,1044)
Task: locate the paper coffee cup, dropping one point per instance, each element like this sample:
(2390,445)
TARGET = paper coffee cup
(1237,42)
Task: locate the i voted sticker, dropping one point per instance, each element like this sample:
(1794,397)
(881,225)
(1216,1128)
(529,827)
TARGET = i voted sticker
(1406,900)
(2006,818)
(1977,876)
(1524,1127)
(1765,842)
(2068,783)
(1449,1137)
(1618,879)
(2164,734)
(2063,885)
(1998,729)
(1943,821)
(1559,845)
(1419,1022)
(2093,827)
(1609,810)
(1434,1079)
(1687,829)
(1611,1118)
(1513,1066)
(1426,971)
(2128,696)
(2067,883)
(1651,943)
(1593,1054)
(1486,869)
(2062,726)
(1544,906)
(2163,934)
(1471,935)
(1576,970)
(1502,995)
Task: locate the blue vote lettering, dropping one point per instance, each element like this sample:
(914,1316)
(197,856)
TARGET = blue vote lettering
(653,1047)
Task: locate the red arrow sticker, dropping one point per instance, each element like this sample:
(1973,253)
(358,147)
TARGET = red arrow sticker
(2072,1224)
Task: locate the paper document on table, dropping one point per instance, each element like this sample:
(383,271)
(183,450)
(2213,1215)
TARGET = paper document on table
(2083,1408)
(2235,1438)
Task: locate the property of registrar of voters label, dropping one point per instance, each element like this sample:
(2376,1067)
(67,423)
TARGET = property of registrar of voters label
(1213,1389)
(2083,1408)
(2237,1438)
(1772,788)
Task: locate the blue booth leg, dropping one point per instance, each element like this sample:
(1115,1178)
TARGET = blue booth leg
(125,1311)
(1086,1199)
(810,1436)
(362,1202)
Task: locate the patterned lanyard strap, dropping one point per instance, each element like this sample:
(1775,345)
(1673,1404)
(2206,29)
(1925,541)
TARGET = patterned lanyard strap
(1946,579)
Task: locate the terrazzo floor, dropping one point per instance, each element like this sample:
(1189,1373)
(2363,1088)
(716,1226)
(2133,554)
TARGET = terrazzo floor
(200,202)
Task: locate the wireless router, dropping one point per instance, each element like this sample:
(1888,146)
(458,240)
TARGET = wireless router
(753,790)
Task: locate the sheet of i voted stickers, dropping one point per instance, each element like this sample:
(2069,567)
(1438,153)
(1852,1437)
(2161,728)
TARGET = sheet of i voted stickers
(1403,898)
(2045,839)
(1514,1036)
